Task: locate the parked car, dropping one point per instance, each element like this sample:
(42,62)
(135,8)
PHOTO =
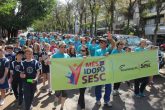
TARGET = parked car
(162,47)
(161,59)
(130,40)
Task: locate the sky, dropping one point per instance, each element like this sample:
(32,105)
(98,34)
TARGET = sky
(62,1)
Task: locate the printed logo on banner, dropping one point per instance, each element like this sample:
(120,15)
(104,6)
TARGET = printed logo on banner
(92,72)
(75,73)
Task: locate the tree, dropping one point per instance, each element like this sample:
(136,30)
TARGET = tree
(92,6)
(22,14)
(69,17)
(127,9)
(109,16)
(96,13)
(81,8)
(159,8)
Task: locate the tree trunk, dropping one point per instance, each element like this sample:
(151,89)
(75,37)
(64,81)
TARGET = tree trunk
(91,26)
(80,29)
(85,23)
(8,33)
(95,24)
(157,20)
(112,15)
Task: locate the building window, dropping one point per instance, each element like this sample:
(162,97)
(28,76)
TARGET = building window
(150,22)
(162,20)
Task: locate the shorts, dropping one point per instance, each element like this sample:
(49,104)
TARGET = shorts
(5,85)
(61,93)
(45,68)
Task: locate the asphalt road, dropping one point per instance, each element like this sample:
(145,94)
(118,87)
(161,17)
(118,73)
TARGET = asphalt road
(155,99)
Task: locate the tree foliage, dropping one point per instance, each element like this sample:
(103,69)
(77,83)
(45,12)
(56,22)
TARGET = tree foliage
(19,14)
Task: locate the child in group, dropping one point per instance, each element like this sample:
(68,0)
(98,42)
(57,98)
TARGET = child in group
(16,69)
(30,74)
(53,46)
(11,56)
(4,69)
(2,43)
(36,51)
(17,47)
(45,61)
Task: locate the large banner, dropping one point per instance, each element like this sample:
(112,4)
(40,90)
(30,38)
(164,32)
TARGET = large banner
(75,73)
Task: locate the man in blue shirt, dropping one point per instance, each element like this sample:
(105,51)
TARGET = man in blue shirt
(104,51)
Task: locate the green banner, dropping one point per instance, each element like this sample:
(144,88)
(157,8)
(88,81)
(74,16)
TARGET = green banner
(75,73)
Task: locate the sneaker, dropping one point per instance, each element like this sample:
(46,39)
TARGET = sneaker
(11,92)
(56,101)
(108,104)
(2,102)
(49,91)
(142,94)
(98,103)
(31,108)
(137,95)
(115,92)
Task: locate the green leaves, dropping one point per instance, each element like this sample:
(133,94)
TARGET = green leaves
(20,14)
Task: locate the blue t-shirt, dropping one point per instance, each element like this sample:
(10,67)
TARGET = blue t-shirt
(116,51)
(30,68)
(17,49)
(139,49)
(67,41)
(60,55)
(36,56)
(11,57)
(4,63)
(17,68)
(77,44)
(92,49)
(101,52)
(22,42)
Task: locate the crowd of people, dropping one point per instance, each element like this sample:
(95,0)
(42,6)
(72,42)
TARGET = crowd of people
(28,60)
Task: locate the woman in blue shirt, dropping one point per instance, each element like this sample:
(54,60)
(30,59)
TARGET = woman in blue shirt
(140,83)
(119,49)
(61,54)
(81,100)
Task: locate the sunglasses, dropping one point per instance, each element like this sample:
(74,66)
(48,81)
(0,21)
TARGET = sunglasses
(102,42)
(121,44)
(62,47)
(83,50)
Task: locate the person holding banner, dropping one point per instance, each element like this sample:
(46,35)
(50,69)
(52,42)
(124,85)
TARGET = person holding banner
(81,100)
(61,54)
(140,83)
(104,51)
(119,49)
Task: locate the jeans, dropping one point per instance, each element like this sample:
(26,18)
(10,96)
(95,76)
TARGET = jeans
(98,92)
(81,100)
(28,91)
(140,85)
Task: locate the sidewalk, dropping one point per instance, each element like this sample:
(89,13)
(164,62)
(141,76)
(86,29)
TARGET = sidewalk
(125,101)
